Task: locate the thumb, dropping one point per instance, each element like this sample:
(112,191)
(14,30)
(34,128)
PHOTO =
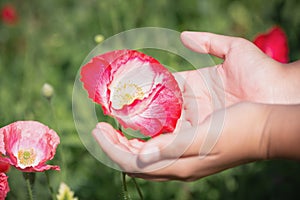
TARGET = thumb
(171,146)
(214,44)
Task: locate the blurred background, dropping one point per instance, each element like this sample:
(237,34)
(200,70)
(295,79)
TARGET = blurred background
(47,41)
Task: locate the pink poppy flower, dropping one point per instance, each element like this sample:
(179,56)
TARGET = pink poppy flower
(4,187)
(9,14)
(274,44)
(135,89)
(27,145)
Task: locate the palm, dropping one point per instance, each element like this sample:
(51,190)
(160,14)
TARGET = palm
(238,78)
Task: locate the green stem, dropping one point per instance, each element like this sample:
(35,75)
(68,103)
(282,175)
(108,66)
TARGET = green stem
(125,191)
(138,188)
(60,148)
(49,186)
(124,184)
(126,194)
(29,189)
(29,179)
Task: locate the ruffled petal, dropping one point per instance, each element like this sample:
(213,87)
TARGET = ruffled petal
(160,115)
(29,144)
(134,82)
(95,80)
(40,168)
(2,144)
(4,187)
(134,88)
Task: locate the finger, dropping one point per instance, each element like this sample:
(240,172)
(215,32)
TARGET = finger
(121,150)
(180,78)
(172,146)
(132,145)
(184,169)
(197,97)
(196,100)
(214,44)
(117,148)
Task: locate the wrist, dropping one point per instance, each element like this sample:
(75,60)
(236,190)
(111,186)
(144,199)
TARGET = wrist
(286,88)
(258,116)
(246,131)
(281,133)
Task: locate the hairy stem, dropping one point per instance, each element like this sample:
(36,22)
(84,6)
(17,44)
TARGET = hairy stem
(138,188)
(124,184)
(49,186)
(29,188)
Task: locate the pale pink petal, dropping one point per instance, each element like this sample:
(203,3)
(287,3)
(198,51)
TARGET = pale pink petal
(11,141)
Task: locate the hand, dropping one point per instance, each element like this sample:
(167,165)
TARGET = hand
(178,156)
(246,75)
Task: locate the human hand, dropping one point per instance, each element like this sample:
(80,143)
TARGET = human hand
(245,75)
(178,156)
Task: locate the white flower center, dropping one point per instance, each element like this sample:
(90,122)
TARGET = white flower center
(134,80)
(26,157)
(125,94)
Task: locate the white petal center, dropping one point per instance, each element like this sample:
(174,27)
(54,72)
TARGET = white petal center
(26,158)
(133,81)
(126,93)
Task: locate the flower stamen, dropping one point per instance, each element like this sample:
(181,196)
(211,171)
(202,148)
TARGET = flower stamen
(126,93)
(26,157)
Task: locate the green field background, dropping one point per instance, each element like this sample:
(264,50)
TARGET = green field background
(48,45)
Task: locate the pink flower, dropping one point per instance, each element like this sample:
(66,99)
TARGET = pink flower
(274,43)
(27,145)
(135,89)
(9,14)
(4,187)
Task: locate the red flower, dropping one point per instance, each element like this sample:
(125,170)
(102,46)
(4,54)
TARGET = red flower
(27,145)
(274,44)
(9,14)
(4,187)
(4,167)
(135,89)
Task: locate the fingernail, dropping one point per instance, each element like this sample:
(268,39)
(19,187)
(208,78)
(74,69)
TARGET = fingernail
(189,40)
(149,154)
(188,36)
(96,133)
(99,125)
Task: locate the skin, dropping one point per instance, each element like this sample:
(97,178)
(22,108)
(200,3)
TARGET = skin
(243,110)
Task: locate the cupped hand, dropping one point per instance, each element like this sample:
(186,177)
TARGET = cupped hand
(179,156)
(217,130)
